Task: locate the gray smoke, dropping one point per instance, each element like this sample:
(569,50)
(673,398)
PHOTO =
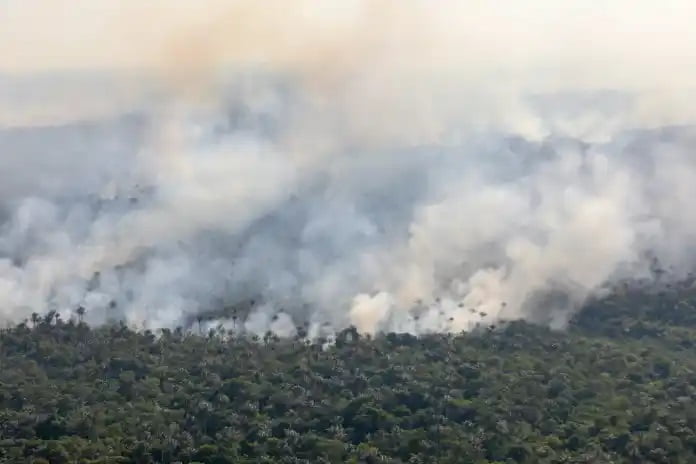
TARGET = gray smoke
(380,169)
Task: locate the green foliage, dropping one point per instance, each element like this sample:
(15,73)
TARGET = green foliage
(618,387)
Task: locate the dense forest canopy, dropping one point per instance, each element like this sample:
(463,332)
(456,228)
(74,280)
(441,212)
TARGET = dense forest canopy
(617,387)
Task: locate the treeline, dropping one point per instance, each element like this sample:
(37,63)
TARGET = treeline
(618,387)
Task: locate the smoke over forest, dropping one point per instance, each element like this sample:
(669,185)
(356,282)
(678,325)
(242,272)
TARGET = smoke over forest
(410,166)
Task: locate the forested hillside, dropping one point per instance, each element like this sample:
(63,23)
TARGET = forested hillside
(618,386)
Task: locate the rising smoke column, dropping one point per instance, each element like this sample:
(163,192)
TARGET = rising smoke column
(391,165)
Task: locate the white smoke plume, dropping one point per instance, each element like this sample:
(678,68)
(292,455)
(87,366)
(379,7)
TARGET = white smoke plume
(393,165)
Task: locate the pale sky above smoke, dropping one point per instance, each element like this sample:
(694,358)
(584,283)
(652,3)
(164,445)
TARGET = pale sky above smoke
(483,53)
(397,165)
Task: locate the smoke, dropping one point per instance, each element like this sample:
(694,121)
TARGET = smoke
(412,166)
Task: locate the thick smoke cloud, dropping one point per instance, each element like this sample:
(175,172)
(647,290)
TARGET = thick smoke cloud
(412,166)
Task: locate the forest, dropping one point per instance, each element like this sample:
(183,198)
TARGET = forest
(617,386)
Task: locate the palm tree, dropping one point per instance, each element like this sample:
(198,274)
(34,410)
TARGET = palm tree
(80,313)
(48,318)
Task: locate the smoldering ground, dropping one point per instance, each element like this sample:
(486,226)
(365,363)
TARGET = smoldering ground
(392,165)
